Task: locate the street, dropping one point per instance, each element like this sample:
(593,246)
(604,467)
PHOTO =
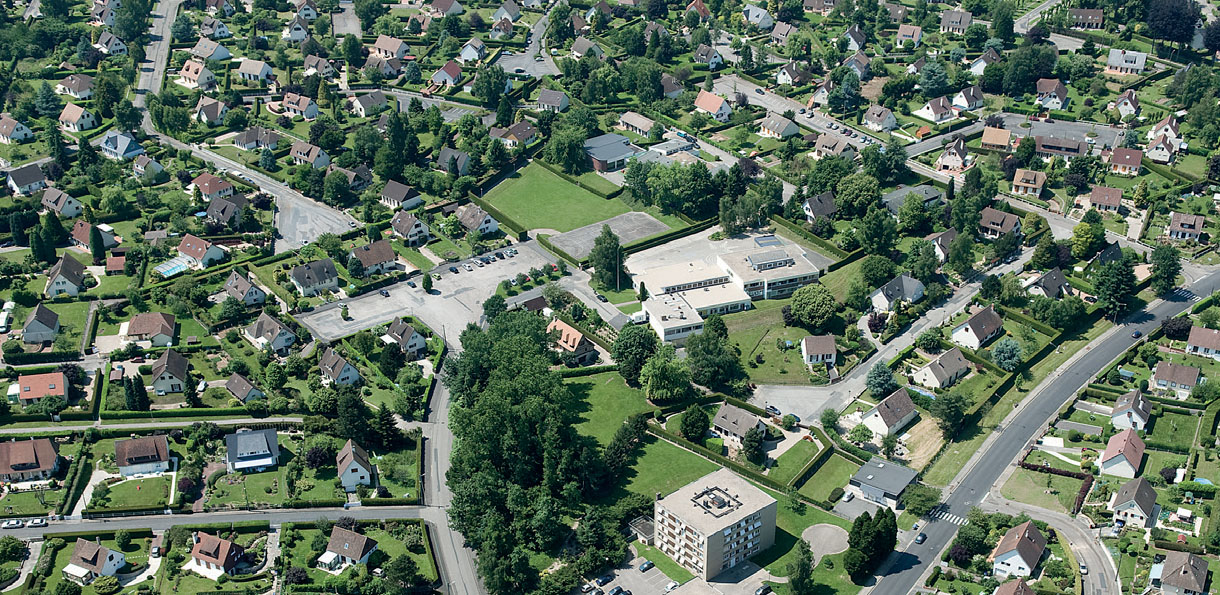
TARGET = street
(524,59)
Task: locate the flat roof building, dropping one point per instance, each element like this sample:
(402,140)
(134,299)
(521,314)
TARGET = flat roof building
(771,272)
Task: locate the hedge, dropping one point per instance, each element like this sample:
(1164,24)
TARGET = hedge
(166,414)
(1028,321)
(124,510)
(1178,547)
(389,501)
(324,503)
(21,359)
(546,243)
(560,173)
(813,465)
(78,476)
(586,371)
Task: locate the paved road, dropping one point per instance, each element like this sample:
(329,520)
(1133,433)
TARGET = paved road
(1022,24)
(31,10)
(345,22)
(1085,545)
(727,85)
(525,59)
(1008,440)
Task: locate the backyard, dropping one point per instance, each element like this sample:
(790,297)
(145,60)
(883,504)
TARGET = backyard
(834,473)
(1032,487)
(602,402)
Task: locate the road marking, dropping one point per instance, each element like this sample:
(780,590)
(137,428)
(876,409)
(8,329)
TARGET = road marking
(942,515)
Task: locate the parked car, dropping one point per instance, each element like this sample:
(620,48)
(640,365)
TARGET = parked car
(585,588)
(500,255)
(763,590)
(646,565)
(453,270)
(1136,335)
(410,284)
(468,267)
(602,580)
(37,523)
(616,590)
(12,524)
(849,496)
(671,586)
(773,410)
(919,539)
(384,293)
(601,298)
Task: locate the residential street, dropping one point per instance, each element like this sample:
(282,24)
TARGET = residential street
(524,59)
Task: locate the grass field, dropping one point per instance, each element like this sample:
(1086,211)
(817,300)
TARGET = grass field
(834,473)
(840,280)
(603,402)
(791,462)
(661,467)
(1030,487)
(536,198)
(27,503)
(664,563)
(828,574)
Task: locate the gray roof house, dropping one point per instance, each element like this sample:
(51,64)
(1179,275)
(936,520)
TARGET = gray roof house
(732,423)
(41,326)
(314,277)
(251,450)
(928,193)
(903,288)
(881,481)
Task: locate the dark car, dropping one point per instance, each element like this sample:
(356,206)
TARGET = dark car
(759,91)
(616,590)
(384,293)
(602,580)
(922,537)
(773,410)
(500,255)
(763,590)
(410,284)
(601,298)
(1136,335)
(453,270)
(646,565)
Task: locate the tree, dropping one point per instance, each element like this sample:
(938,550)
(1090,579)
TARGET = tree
(1173,20)
(923,261)
(46,102)
(1046,253)
(813,306)
(877,231)
(920,499)
(1165,268)
(426,283)
(12,549)
(855,563)
(800,571)
(889,444)
(913,216)
(665,378)
(391,360)
(961,254)
(122,538)
(53,229)
(876,270)
(934,79)
(860,434)
(494,306)
(401,571)
(1177,328)
(566,148)
(929,340)
(880,381)
(266,159)
(607,261)
(1002,21)
(1007,354)
(695,424)
(1115,287)
(105,585)
(368,11)
(274,376)
(856,193)
(751,445)
(949,410)
(489,84)
(713,361)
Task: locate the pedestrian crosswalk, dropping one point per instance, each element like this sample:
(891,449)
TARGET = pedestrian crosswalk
(944,515)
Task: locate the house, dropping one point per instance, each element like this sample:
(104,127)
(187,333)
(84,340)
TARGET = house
(1052,94)
(937,110)
(32,388)
(346,547)
(214,7)
(242,388)
(448,75)
(699,8)
(468,86)
(833,144)
(474,218)
(583,45)
(898,13)
(706,54)
(255,71)
(410,228)
(955,157)
(199,252)
(1027,182)
(1134,504)
(319,66)
(101,15)
(714,105)
(390,48)
(579,26)
(654,28)
(1166,127)
(1131,410)
(1086,18)
(251,450)
(444,8)
(472,51)
(26,179)
(1203,341)
(306,9)
(299,105)
(358,178)
(1105,198)
(170,372)
(979,65)
(256,138)
(955,21)
(303,152)
(1184,574)
(226,210)
(1127,104)
(819,350)
(120,146)
(570,341)
(376,257)
(397,195)
(892,414)
(821,205)
(502,29)
(27,460)
(670,87)
(239,287)
(1017,587)
(911,33)
(211,187)
(296,31)
(75,118)
(821,94)
(634,122)
(194,75)
(792,74)
(155,327)
(1162,149)
(450,159)
(942,372)
(336,369)
(12,131)
(941,242)
(109,44)
(599,8)
(509,10)
(903,288)
(214,553)
(859,64)
(732,422)
(66,277)
(144,165)
(757,16)
(1049,147)
(774,126)
(210,111)
(41,326)
(116,265)
(212,28)
(1019,551)
(880,119)
(404,335)
(76,86)
(315,277)
(82,231)
(143,455)
(610,152)
(881,482)
(1184,226)
(994,223)
(519,134)
(980,328)
(90,560)
(205,49)
(917,66)
(780,32)
(1051,284)
(855,38)
(970,98)
(1177,378)
(1123,455)
(268,331)
(1125,62)
(369,103)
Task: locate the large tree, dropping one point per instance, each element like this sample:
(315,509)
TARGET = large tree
(1165,268)
(813,306)
(949,410)
(631,349)
(666,379)
(880,381)
(1115,287)
(606,259)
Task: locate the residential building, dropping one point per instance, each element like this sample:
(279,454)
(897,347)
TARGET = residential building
(41,325)
(956,157)
(944,371)
(211,187)
(76,86)
(898,13)
(101,15)
(200,253)
(66,277)
(144,165)
(450,158)
(28,460)
(792,74)
(980,328)
(757,16)
(979,65)
(214,553)
(1019,551)
(732,423)
(941,241)
(213,28)
(12,131)
(518,135)
(474,218)
(583,45)
(636,123)
(833,144)
(346,548)
(376,257)
(403,334)
(1166,127)
(1127,104)
(1028,182)
(155,327)
(223,7)
(319,66)
(109,44)
(821,205)
(1135,504)
(299,105)
(713,105)
(306,9)
(822,7)
(1049,147)
(860,64)
(1184,574)
(856,39)
(821,94)
(779,127)
(303,152)
(880,119)
(1131,411)
(194,75)
(819,350)
(410,228)
(937,110)
(509,10)
(576,345)
(210,111)
(205,49)
(903,288)
(1176,378)
(610,152)
(955,21)
(143,455)
(26,179)
(881,482)
(994,223)
(1126,62)
(1124,454)
(399,196)
(315,277)
(472,51)
(780,32)
(892,414)
(502,29)
(90,560)
(390,48)
(242,388)
(911,33)
(970,98)
(1184,226)
(1086,18)
(226,210)
(354,470)
(1052,94)
(706,54)
(268,331)
(443,8)
(1051,284)
(82,232)
(170,372)
(369,103)
(257,138)
(1105,199)
(1162,149)
(335,368)
(1017,587)
(251,450)
(255,71)
(32,388)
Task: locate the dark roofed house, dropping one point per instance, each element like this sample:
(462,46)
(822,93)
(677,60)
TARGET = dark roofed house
(1131,410)
(41,326)
(610,152)
(980,328)
(1105,198)
(1177,378)
(892,414)
(732,423)
(335,368)
(252,450)
(315,277)
(399,196)
(66,277)
(146,454)
(926,193)
(239,287)
(1185,226)
(410,228)
(268,330)
(170,372)
(1086,18)
(345,548)
(226,210)
(821,205)
(903,288)
(242,388)
(155,327)
(1019,551)
(819,350)
(1051,284)
(450,157)
(994,223)
(881,481)
(1134,504)
(942,372)
(90,560)
(27,460)
(26,180)
(375,256)
(1184,574)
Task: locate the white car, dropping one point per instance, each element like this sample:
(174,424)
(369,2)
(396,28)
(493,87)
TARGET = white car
(12,524)
(468,267)
(37,523)
(671,586)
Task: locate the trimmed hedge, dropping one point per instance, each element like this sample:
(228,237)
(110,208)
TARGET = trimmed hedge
(1178,547)
(586,371)
(165,414)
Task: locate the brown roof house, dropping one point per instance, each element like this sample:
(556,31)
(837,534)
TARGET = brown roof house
(410,228)
(1019,551)
(376,257)
(819,350)
(1184,574)
(1134,504)
(90,560)
(980,328)
(170,372)
(892,414)
(239,287)
(732,423)
(1184,226)
(942,372)
(242,388)
(353,467)
(213,556)
(572,344)
(82,232)
(1124,453)
(1052,94)
(138,456)
(1086,18)
(194,75)
(200,253)
(996,139)
(1017,587)
(75,118)
(303,152)
(32,388)
(26,460)
(335,368)
(474,218)
(211,186)
(1105,198)
(344,548)
(994,223)
(1027,182)
(154,327)
(1126,162)
(1179,379)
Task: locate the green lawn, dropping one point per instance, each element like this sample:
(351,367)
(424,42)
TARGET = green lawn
(660,467)
(664,563)
(791,462)
(388,547)
(31,503)
(840,280)
(1030,487)
(1174,428)
(603,401)
(136,554)
(153,491)
(829,573)
(72,319)
(834,473)
(536,198)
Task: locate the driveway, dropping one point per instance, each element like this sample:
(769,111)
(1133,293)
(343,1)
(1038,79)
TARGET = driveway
(855,508)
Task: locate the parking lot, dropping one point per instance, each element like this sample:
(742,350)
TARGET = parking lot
(629,227)
(629,577)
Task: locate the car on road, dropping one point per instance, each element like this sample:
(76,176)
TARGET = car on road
(12,524)
(37,523)
(919,539)
(1136,335)
(773,410)
(351,224)
(603,580)
(453,270)
(585,588)
(384,293)
(671,586)
(519,70)
(646,566)
(802,110)
(601,298)
(1084,569)
(538,58)
(758,91)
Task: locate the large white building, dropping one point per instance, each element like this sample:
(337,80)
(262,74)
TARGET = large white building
(714,523)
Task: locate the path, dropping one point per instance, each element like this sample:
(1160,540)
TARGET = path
(27,565)
(98,476)
(154,564)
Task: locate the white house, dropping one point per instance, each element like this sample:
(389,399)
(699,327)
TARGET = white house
(1019,551)
(353,467)
(892,414)
(12,131)
(66,277)
(1127,104)
(732,423)
(903,288)
(109,44)
(1131,411)
(268,331)
(346,548)
(90,560)
(1134,504)
(1203,341)
(27,179)
(200,253)
(879,118)
(980,328)
(143,455)
(1124,454)
(1184,574)
(474,218)
(169,372)
(296,30)
(937,110)
(472,51)
(335,368)
(713,105)
(819,350)
(1176,378)
(315,277)
(299,105)
(75,118)
(942,372)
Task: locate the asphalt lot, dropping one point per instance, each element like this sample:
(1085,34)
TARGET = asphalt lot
(629,227)
(345,22)
(455,300)
(525,58)
(630,578)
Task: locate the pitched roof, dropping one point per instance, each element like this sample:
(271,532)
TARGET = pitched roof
(1105,195)
(1176,373)
(145,449)
(35,454)
(89,555)
(948,365)
(225,208)
(331,363)
(313,273)
(1026,540)
(894,407)
(70,269)
(569,338)
(374,253)
(27,174)
(819,344)
(956,19)
(194,246)
(972,94)
(217,551)
(1189,223)
(1126,443)
(998,220)
(257,135)
(70,113)
(1137,490)
(1136,402)
(37,386)
(903,287)
(584,45)
(370,100)
(252,443)
(1185,571)
(44,316)
(171,362)
(943,239)
(1017,587)
(984,322)
(204,48)
(878,114)
(237,285)
(471,216)
(1052,86)
(1128,157)
(295,101)
(776,123)
(208,183)
(349,544)
(239,386)
(403,222)
(448,154)
(8,125)
(352,453)
(1126,59)
(551,97)
(734,419)
(253,67)
(704,53)
(1203,337)
(267,327)
(1052,282)
(709,102)
(822,205)
(77,82)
